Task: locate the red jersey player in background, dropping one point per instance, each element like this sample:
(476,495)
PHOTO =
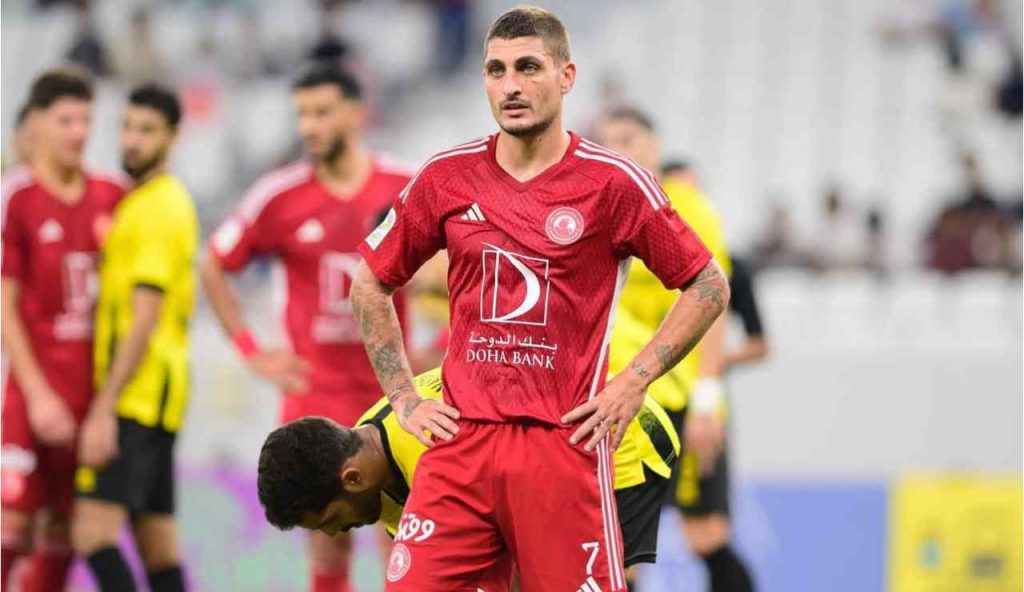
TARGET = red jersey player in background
(54,214)
(312,215)
(539,226)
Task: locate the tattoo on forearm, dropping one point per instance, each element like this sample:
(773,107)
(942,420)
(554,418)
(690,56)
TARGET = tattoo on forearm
(640,370)
(378,324)
(668,355)
(386,360)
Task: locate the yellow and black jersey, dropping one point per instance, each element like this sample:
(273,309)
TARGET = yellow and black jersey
(152,242)
(647,301)
(650,441)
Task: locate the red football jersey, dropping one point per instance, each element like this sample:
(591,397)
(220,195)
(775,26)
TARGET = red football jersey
(51,249)
(290,215)
(535,269)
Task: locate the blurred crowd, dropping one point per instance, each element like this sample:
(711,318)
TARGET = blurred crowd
(234,47)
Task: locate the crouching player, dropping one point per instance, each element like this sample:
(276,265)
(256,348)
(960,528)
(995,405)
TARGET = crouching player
(318,475)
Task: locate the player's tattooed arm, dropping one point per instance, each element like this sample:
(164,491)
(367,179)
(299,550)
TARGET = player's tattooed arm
(701,301)
(382,336)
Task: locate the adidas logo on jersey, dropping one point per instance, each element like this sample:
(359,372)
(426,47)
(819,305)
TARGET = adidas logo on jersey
(473,214)
(311,231)
(51,231)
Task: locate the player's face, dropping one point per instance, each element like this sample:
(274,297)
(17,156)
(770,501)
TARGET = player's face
(352,510)
(64,130)
(525,84)
(146,139)
(631,140)
(326,121)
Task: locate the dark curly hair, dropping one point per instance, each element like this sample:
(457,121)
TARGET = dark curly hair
(299,466)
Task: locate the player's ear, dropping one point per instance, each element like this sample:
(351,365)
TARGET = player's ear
(568,76)
(353,480)
(357,113)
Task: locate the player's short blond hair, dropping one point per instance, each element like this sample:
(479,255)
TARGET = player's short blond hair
(532,21)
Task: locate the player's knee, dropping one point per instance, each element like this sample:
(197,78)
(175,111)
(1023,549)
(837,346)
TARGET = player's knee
(16,529)
(157,540)
(706,534)
(92,529)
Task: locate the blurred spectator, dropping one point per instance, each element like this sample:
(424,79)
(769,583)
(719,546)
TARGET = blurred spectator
(87,48)
(453,19)
(983,65)
(329,46)
(840,238)
(777,245)
(972,231)
(876,240)
(1009,94)
(136,57)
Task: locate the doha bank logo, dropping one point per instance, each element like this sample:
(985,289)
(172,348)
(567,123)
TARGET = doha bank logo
(515,288)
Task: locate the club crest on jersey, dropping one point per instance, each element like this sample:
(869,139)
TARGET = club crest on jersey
(51,231)
(564,225)
(311,231)
(514,289)
(399,562)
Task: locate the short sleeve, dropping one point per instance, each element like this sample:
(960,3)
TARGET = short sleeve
(157,245)
(246,232)
(15,244)
(648,228)
(408,236)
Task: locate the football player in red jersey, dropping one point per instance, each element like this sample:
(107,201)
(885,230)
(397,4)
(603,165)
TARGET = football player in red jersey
(53,212)
(311,215)
(540,226)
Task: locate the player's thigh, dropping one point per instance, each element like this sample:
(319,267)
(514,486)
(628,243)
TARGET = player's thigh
(96,524)
(446,538)
(561,517)
(156,536)
(327,552)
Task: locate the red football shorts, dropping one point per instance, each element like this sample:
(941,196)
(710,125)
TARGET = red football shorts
(499,495)
(32,476)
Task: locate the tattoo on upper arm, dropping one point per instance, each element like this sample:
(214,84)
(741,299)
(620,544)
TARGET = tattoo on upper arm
(709,286)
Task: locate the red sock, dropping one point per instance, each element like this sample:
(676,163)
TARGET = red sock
(48,568)
(335,580)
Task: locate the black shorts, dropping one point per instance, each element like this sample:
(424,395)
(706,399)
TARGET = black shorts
(639,511)
(141,478)
(692,494)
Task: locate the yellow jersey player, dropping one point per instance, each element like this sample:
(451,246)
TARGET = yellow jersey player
(126,451)
(697,406)
(319,475)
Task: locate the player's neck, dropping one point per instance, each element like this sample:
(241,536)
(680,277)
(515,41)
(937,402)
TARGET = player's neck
(150,174)
(525,157)
(345,175)
(67,184)
(373,445)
